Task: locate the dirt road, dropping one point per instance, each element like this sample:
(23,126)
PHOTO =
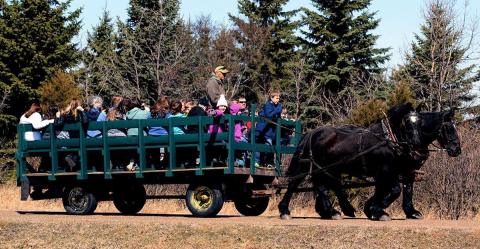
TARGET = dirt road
(47,229)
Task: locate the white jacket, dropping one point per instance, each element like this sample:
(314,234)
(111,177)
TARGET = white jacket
(36,121)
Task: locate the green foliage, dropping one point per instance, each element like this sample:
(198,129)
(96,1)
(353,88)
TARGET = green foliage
(436,63)
(59,90)
(35,39)
(401,94)
(100,73)
(267,43)
(8,126)
(338,42)
(368,112)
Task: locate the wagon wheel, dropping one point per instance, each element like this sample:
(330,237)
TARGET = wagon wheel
(78,200)
(130,200)
(252,206)
(204,201)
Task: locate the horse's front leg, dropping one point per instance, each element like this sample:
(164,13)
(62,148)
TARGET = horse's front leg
(344,202)
(323,205)
(285,202)
(387,190)
(407,203)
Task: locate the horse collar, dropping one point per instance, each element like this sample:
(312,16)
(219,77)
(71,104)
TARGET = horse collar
(387,129)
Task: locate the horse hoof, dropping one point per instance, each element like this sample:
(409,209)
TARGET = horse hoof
(349,214)
(384,217)
(336,216)
(285,217)
(415,216)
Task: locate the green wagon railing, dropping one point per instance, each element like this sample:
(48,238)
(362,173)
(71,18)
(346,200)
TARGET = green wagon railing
(141,143)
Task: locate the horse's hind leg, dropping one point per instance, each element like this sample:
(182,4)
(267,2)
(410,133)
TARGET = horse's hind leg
(324,206)
(285,202)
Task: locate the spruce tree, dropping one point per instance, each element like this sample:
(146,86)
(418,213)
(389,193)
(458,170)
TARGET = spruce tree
(35,40)
(436,63)
(266,35)
(101,74)
(339,43)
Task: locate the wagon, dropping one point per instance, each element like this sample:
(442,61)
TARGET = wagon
(96,178)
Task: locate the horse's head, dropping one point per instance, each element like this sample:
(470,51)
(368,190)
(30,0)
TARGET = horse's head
(448,136)
(405,123)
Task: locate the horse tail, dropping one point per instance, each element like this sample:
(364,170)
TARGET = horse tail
(295,167)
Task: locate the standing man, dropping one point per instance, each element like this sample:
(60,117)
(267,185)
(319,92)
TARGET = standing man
(215,85)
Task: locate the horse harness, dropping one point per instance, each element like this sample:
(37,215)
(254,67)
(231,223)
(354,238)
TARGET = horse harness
(388,138)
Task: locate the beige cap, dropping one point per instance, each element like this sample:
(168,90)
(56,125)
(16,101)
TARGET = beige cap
(221,69)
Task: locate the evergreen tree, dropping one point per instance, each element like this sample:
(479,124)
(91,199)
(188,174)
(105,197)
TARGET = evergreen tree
(266,35)
(35,40)
(436,64)
(339,43)
(100,73)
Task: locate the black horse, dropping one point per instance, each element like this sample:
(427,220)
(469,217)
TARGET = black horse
(433,126)
(328,152)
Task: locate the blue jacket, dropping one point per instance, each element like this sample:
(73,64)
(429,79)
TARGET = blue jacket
(272,112)
(158,131)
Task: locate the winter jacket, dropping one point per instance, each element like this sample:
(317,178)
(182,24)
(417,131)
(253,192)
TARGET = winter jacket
(135,114)
(238,134)
(177,130)
(214,90)
(93,113)
(271,112)
(158,131)
(70,119)
(216,127)
(37,122)
(195,112)
(102,116)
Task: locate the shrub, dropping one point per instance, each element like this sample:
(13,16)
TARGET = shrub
(58,90)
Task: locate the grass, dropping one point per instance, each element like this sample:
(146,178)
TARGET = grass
(173,235)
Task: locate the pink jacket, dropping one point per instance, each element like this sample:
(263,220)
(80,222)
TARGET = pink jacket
(216,128)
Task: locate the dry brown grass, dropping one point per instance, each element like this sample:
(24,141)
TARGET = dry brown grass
(201,235)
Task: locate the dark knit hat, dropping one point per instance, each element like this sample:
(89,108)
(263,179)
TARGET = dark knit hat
(204,101)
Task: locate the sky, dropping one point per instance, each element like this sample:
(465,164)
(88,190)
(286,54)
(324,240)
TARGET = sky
(399,19)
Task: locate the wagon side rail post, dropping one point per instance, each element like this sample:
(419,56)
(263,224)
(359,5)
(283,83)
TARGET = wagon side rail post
(141,149)
(231,145)
(20,156)
(253,142)
(278,144)
(53,153)
(201,146)
(83,153)
(171,148)
(106,152)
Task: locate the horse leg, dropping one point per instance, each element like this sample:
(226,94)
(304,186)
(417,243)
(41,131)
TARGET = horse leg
(285,202)
(407,202)
(387,190)
(324,206)
(345,205)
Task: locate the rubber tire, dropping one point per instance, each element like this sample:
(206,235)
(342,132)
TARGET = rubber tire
(89,205)
(130,200)
(252,206)
(212,209)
